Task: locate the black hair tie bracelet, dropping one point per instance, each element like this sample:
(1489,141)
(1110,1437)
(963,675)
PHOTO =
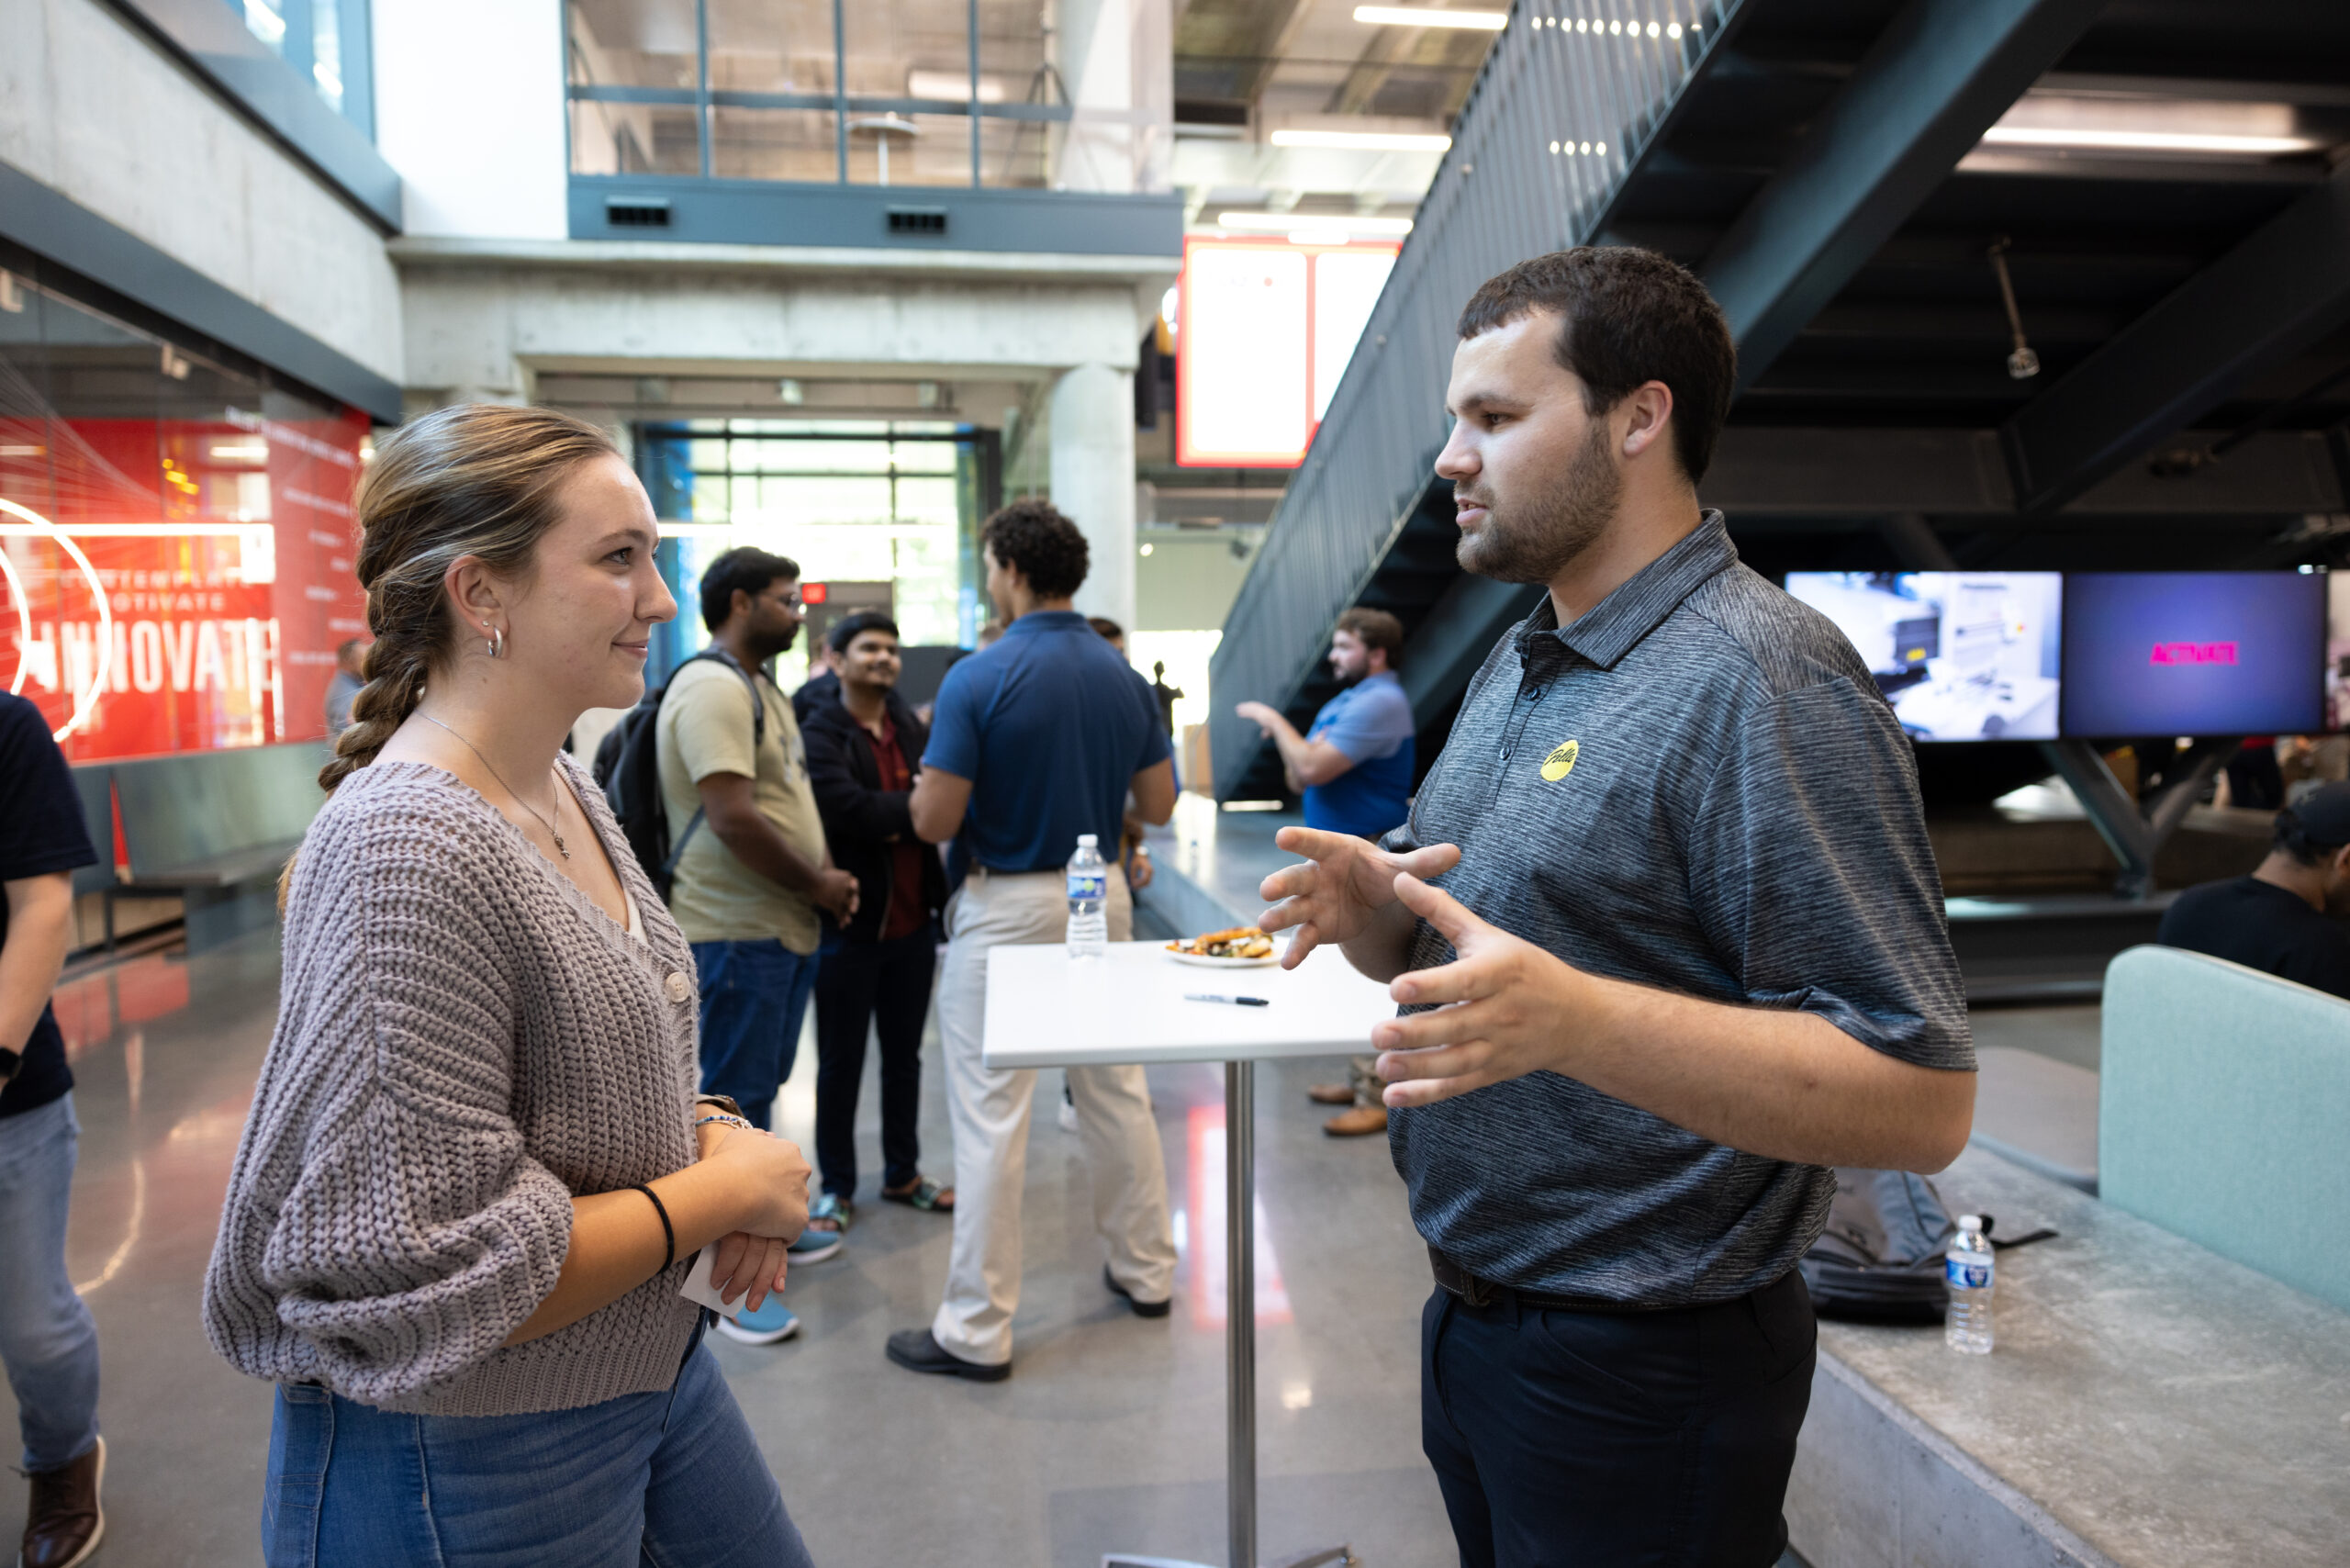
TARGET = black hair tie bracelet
(669,1232)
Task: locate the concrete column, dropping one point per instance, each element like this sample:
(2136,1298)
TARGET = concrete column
(1092,436)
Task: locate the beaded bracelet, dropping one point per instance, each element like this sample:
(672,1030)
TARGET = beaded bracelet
(730,1121)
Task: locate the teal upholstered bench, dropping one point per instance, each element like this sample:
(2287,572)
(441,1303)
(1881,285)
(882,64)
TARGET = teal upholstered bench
(2224,1114)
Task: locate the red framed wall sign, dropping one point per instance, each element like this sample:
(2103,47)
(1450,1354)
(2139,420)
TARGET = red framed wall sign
(1264,331)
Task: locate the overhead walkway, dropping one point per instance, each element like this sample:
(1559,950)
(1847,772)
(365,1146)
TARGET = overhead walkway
(1823,166)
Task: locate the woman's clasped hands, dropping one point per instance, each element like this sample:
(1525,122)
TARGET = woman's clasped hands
(769,1177)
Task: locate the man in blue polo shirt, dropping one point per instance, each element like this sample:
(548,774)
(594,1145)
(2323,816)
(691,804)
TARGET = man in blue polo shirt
(1354,764)
(1035,740)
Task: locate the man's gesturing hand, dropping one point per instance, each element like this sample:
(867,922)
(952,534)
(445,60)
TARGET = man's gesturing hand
(1345,880)
(1508,1007)
(1263,716)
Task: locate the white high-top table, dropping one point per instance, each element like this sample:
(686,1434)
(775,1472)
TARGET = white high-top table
(1045,1009)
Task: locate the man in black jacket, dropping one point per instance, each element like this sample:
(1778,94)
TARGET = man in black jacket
(862,750)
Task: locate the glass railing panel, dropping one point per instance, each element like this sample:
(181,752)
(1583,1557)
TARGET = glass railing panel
(634,138)
(634,43)
(896,149)
(771,46)
(774,144)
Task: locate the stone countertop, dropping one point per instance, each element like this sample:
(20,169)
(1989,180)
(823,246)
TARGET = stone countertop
(2166,1405)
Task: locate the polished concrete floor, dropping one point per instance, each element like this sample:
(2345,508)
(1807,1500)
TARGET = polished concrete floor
(1109,1436)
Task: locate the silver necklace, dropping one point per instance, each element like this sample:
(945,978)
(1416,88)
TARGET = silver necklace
(553,831)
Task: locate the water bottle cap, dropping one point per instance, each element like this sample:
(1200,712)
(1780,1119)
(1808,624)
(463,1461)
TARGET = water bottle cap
(1087,841)
(1970,1222)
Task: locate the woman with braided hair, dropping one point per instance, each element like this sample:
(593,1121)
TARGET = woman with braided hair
(477,1174)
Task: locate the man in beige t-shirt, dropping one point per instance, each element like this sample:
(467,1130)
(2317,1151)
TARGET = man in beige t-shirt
(754,871)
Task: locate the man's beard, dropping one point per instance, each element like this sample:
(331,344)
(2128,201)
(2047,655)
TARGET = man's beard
(1534,542)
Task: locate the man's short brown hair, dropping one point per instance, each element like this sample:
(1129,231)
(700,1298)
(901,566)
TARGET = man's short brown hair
(1625,317)
(1376,629)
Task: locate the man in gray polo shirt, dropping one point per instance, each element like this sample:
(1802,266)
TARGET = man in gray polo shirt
(1688,953)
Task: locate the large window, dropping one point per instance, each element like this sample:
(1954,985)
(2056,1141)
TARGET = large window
(849,92)
(865,502)
(175,532)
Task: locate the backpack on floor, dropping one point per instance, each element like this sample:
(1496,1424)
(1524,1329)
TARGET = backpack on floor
(628,769)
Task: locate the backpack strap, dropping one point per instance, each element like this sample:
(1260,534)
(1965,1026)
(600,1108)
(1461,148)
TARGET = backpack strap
(758,703)
(678,851)
(758,738)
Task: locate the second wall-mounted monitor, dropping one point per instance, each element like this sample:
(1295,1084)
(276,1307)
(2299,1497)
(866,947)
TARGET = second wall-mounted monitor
(2337,651)
(2193,654)
(1961,656)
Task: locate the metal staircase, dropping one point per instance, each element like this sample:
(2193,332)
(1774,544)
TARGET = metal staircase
(1568,99)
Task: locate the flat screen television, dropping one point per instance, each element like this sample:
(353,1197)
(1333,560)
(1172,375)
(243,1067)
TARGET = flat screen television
(2337,651)
(1961,656)
(2193,654)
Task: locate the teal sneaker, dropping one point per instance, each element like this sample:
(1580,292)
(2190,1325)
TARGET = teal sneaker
(821,1237)
(774,1322)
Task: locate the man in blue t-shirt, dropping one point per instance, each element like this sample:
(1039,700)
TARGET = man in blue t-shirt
(1355,763)
(47,1337)
(1035,740)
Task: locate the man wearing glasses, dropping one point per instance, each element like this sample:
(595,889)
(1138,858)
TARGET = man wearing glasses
(752,867)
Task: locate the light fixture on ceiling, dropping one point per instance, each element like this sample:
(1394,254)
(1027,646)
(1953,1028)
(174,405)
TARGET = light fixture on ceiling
(2023,362)
(2090,139)
(1321,222)
(2085,122)
(1423,17)
(1363,140)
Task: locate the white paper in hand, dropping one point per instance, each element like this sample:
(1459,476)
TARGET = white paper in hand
(699,1289)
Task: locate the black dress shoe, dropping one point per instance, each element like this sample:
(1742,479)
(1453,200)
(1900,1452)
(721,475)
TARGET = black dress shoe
(917,1349)
(1142,1308)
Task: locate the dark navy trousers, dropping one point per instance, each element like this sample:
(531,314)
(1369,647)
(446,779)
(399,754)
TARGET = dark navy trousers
(1623,1439)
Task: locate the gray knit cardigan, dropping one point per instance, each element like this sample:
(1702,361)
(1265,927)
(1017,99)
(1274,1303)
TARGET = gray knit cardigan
(463,1043)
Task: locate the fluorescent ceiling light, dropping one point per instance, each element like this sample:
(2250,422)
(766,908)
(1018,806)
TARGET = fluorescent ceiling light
(1363,140)
(2115,122)
(1320,222)
(2089,138)
(1421,16)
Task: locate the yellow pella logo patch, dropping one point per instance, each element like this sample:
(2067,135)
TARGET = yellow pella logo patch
(1560,762)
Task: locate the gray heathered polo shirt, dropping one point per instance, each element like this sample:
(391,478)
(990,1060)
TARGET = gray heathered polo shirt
(1695,787)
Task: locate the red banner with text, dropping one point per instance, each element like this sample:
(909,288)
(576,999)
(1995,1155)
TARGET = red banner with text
(177,585)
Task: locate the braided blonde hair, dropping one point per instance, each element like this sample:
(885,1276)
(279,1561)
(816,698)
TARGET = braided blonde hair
(475,479)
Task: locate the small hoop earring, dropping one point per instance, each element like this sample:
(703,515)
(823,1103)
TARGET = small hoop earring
(495,638)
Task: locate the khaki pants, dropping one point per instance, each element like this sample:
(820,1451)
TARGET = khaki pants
(989,1115)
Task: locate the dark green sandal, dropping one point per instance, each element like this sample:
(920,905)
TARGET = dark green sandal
(924,1195)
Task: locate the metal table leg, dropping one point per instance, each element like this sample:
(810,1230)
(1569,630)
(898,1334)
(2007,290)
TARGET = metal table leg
(1241,1310)
(1240,1343)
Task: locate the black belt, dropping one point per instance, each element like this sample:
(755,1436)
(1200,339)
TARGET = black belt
(1475,1291)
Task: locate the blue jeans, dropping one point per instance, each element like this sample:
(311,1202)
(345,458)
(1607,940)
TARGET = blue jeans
(47,1338)
(754,999)
(670,1480)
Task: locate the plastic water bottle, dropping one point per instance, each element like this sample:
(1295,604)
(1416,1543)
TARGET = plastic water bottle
(1089,897)
(1968,1267)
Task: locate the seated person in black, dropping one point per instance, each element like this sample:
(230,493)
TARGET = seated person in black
(2286,918)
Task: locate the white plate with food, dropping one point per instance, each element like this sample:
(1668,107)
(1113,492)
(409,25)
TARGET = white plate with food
(1240,948)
